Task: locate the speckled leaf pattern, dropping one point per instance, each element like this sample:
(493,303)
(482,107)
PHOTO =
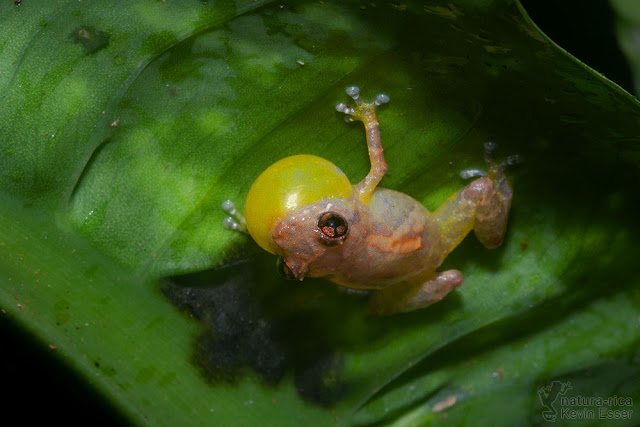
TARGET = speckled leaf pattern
(125,125)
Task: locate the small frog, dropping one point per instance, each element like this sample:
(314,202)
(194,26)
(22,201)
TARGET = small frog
(304,209)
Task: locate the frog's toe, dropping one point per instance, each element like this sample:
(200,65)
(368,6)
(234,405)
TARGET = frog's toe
(354,92)
(236,220)
(344,108)
(489,148)
(511,161)
(229,207)
(381,98)
(232,224)
(492,167)
(472,173)
(361,108)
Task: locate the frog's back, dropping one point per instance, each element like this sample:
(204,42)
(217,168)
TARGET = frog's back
(391,209)
(403,239)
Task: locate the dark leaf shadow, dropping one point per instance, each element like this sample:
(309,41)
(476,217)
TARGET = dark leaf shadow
(251,320)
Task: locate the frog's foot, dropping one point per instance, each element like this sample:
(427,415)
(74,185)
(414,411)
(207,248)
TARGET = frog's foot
(236,220)
(494,171)
(490,196)
(412,296)
(363,111)
(497,169)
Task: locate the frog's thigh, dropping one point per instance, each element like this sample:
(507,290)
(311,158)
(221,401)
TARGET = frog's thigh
(411,296)
(481,207)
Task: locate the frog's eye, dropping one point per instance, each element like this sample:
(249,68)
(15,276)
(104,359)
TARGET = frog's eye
(288,185)
(333,225)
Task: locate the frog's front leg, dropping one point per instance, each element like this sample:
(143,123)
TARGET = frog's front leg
(366,113)
(420,292)
(482,206)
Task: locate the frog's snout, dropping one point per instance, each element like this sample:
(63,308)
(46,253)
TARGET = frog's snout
(290,272)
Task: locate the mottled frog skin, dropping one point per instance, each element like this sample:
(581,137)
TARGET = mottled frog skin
(304,209)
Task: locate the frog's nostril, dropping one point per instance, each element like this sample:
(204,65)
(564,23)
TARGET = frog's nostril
(284,270)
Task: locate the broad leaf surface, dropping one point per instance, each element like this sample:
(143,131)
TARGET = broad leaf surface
(124,125)
(627,27)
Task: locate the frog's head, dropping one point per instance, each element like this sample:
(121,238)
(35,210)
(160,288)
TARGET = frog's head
(302,208)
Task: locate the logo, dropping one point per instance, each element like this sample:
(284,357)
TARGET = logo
(558,404)
(549,395)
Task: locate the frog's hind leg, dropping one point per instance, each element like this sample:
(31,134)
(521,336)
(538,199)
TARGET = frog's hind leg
(482,206)
(495,170)
(414,295)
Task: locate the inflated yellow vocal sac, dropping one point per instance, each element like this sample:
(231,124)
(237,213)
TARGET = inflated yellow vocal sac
(285,187)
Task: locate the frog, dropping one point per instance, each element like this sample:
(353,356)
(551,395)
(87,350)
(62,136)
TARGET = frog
(363,237)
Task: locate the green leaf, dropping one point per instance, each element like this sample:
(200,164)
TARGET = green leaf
(627,26)
(123,126)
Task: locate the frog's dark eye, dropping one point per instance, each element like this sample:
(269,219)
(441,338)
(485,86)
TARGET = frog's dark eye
(284,269)
(333,225)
